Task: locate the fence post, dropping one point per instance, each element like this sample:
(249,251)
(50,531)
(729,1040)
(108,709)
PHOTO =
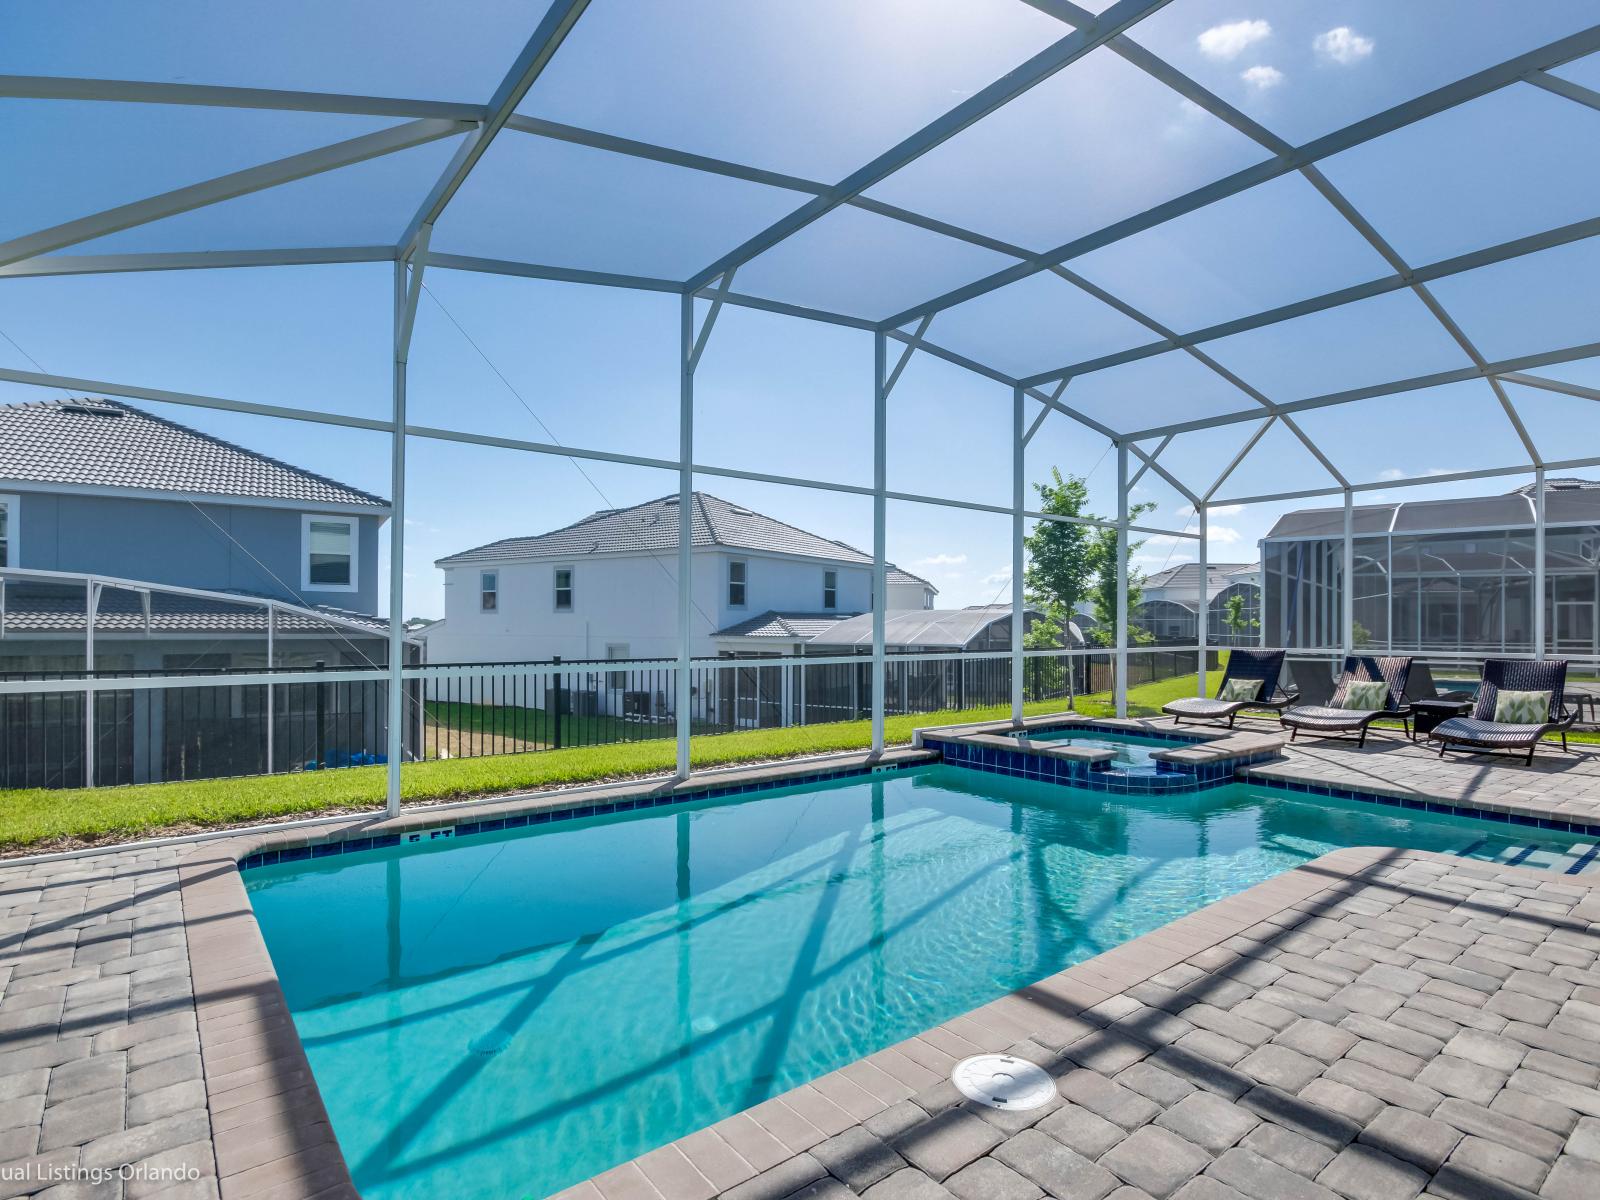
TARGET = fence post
(322,717)
(555,717)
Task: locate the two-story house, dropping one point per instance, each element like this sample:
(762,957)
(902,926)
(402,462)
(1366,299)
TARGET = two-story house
(606,587)
(133,544)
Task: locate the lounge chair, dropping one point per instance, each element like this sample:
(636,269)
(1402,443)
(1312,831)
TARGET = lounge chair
(1333,719)
(1262,667)
(1480,733)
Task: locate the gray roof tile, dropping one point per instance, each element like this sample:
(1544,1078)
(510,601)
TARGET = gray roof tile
(798,626)
(59,610)
(653,526)
(104,443)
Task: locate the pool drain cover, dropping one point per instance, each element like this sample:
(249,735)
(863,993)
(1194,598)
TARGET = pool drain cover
(1000,1081)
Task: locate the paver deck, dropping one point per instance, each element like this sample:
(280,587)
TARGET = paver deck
(1376,1024)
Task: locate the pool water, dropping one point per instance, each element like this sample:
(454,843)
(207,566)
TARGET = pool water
(507,1015)
(1129,751)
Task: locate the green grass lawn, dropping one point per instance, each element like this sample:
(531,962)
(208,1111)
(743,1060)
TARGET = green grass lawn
(46,818)
(38,819)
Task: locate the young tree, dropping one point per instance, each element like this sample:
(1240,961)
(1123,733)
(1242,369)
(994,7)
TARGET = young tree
(1068,564)
(1234,618)
(1060,567)
(1103,556)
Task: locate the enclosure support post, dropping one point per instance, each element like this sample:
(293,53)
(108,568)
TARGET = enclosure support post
(1121,690)
(880,573)
(91,604)
(407,291)
(685,527)
(1018,485)
(1347,625)
(1538,563)
(1203,605)
(272,623)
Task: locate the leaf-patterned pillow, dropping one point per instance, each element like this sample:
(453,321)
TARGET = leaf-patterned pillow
(1239,689)
(1522,708)
(1364,696)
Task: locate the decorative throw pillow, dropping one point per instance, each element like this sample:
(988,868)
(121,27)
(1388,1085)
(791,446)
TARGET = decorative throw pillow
(1522,708)
(1239,689)
(1366,697)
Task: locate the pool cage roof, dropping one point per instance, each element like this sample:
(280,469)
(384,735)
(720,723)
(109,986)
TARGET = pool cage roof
(931,174)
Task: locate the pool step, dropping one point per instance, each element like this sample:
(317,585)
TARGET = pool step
(1580,859)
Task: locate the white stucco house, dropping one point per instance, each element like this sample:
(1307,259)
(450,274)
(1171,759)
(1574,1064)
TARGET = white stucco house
(606,587)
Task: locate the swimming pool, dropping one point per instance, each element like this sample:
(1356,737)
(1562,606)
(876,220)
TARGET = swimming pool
(509,1014)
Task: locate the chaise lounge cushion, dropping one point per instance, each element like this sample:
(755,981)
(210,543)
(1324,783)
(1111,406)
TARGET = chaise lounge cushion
(1366,696)
(1521,708)
(1197,706)
(1239,689)
(1486,733)
(1322,716)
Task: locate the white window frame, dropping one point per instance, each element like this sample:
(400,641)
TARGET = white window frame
(617,681)
(571,589)
(830,587)
(743,583)
(484,591)
(13,505)
(353,524)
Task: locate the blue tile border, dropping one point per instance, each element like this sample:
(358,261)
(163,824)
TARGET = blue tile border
(1169,779)
(468,828)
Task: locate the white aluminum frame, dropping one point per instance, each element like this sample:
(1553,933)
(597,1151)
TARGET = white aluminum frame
(35,254)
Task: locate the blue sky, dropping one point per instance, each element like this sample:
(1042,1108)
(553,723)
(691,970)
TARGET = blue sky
(814,90)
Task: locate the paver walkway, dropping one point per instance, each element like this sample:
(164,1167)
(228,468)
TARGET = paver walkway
(1428,1023)
(1377,1025)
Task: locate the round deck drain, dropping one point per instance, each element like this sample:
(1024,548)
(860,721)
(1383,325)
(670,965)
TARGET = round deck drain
(1000,1081)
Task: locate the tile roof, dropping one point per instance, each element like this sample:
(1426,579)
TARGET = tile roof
(796,626)
(1187,575)
(929,628)
(104,443)
(60,610)
(653,527)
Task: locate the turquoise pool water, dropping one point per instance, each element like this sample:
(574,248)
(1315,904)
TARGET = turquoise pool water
(507,1015)
(1129,751)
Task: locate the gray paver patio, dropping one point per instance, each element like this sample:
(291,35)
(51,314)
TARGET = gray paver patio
(1366,1092)
(1367,1023)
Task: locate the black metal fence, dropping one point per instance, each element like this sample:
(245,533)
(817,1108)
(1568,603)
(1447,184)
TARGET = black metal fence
(167,733)
(304,722)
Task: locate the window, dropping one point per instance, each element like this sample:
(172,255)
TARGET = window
(9,555)
(616,652)
(563,589)
(328,553)
(736,583)
(488,591)
(830,590)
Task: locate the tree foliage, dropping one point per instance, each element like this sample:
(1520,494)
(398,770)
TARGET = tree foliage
(1069,564)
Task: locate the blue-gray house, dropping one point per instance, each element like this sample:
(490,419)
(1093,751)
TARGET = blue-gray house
(94,486)
(133,544)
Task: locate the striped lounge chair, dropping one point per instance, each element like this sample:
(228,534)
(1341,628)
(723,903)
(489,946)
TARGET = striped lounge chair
(1263,666)
(1334,720)
(1480,733)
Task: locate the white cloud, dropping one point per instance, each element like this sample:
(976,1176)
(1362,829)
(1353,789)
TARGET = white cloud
(1232,39)
(1390,473)
(942,560)
(1224,534)
(997,578)
(1342,45)
(1215,510)
(1262,78)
